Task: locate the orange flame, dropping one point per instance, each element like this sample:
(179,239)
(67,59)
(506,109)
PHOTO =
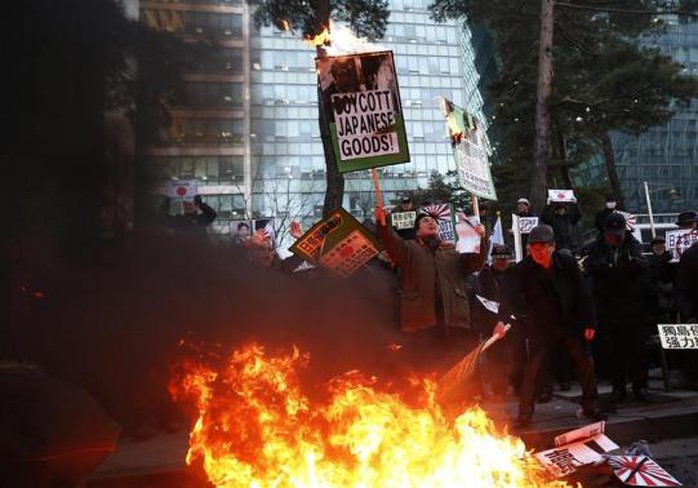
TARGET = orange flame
(255,427)
(338,39)
(321,39)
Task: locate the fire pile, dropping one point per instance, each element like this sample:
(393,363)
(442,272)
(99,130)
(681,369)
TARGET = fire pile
(255,427)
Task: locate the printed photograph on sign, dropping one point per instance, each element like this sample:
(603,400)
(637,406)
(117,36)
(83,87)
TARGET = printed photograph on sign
(678,241)
(240,230)
(361,99)
(470,150)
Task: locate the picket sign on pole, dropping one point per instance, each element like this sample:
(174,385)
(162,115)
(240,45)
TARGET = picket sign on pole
(476,207)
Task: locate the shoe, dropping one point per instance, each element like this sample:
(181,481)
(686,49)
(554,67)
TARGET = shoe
(595,415)
(639,394)
(618,396)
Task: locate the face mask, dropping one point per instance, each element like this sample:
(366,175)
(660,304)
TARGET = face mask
(610,205)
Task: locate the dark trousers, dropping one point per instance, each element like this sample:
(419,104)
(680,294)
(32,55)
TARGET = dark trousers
(629,359)
(539,350)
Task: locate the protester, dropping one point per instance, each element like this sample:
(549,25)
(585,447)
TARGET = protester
(552,304)
(434,307)
(618,273)
(661,299)
(563,218)
(610,207)
(262,253)
(490,284)
(687,298)
(688,220)
(524,209)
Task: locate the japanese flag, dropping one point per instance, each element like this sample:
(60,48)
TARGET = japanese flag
(640,471)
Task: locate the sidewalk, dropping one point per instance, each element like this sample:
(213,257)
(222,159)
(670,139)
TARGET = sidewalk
(159,461)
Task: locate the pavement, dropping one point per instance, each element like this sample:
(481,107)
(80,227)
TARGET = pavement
(667,415)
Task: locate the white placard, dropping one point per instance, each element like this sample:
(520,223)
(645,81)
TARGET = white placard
(678,336)
(526,224)
(490,305)
(561,196)
(678,241)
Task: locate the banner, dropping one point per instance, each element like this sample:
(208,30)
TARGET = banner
(339,243)
(678,241)
(443,213)
(184,189)
(469,144)
(361,100)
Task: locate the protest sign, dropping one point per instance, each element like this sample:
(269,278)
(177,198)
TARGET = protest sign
(561,196)
(576,448)
(526,224)
(678,241)
(678,336)
(468,238)
(640,471)
(443,214)
(339,243)
(470,151)
(240,230)
(403,220)
(361,100)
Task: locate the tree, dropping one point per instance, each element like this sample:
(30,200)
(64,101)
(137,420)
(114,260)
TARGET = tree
(367,18)
(604,80)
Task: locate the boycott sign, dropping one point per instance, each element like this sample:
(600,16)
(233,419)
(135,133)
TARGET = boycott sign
(470,152)
(361,100)
(339,243)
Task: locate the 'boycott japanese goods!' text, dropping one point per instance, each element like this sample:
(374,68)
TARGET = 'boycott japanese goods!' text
(365,124)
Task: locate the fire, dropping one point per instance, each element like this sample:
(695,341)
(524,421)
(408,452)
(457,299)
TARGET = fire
(255,427)
(338,39)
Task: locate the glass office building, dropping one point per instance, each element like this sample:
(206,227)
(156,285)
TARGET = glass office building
(246,126)
(665,156)
(432,61)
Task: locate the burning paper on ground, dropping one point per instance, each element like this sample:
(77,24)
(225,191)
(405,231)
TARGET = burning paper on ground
(577,448)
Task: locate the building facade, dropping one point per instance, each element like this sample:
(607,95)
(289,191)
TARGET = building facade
(246,127)
(666,156)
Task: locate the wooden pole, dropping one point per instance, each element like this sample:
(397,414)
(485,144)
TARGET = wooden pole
(476,206)
(377,187)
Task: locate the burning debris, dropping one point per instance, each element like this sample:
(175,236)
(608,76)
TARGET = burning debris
(255,426)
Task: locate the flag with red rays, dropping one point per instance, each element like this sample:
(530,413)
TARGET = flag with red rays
(640,471)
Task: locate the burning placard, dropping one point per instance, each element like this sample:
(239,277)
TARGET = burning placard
(577,448)
(470,151)
(339,243)
(361,99)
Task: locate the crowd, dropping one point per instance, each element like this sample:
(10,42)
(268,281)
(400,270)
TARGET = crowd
(574,308)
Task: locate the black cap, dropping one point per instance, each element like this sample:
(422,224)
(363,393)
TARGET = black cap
(406,199)
(611,198)
(614,224)
(687,217)
(657,240)
(541,233)
(500,251)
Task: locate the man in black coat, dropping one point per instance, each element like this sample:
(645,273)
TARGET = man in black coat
(687,286)
(619,276)
(550,299)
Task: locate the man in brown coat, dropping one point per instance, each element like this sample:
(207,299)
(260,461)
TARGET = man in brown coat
(433,301)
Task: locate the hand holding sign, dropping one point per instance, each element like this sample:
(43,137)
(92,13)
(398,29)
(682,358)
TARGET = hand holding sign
(296,229)
(381,216)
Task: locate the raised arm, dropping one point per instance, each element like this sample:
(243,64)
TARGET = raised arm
(394,244)
(470,261)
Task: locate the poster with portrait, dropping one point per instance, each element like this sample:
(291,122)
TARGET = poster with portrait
(470,151)
(678,241)
(361,99)
(339,243)
(240,230)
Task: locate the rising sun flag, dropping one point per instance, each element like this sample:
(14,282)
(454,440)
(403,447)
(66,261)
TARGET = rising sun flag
(254,426)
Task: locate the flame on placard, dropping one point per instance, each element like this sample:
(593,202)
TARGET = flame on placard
(338,39)
(255,427)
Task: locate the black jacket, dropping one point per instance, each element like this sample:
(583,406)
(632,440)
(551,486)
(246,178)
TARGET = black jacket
(687,285)
(619,278)
(550,302)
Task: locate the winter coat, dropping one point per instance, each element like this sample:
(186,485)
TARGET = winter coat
(687,285)
(426,271)
(550,302)
(619,277)
(564,226)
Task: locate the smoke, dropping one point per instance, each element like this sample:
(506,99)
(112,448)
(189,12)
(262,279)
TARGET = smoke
(114,328)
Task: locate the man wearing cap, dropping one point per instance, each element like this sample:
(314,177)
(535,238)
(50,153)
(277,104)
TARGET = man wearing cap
(433,300)
(523,209)
(550,301)
(619,276)
(688,220)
